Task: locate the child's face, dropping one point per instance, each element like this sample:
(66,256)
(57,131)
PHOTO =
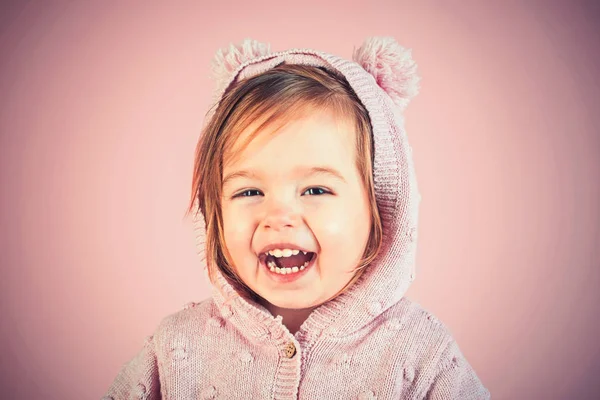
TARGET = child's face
(282,204)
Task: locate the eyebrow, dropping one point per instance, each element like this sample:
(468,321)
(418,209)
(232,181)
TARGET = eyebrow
(250,174)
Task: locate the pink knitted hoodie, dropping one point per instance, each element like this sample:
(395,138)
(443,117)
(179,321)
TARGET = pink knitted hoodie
(370,342)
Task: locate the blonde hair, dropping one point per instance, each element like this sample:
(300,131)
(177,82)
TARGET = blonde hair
(268,98)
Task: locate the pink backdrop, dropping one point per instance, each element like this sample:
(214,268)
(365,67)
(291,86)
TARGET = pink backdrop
(100,110)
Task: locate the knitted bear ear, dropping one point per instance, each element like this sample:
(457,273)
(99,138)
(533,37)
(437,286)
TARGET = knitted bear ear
(392,67)
(227,60)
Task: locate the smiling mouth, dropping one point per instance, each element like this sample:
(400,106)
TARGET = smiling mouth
(288,266)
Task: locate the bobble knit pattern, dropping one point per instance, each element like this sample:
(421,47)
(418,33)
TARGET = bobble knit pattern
(370,342)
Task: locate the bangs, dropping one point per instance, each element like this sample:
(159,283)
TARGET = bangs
(272,115)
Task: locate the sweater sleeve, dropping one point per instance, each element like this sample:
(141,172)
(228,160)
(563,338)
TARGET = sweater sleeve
(456,379)
(138,377)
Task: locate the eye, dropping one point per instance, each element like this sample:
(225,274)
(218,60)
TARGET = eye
(318,188)
(244,193)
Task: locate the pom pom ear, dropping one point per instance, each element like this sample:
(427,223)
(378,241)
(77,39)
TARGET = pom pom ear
(392,67)
(227,60)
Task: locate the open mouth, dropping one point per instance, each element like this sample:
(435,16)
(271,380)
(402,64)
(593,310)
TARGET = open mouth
(294,265)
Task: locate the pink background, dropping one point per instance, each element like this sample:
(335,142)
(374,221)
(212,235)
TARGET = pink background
(101,107)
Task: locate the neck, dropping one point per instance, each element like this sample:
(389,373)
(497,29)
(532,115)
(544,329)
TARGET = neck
(292,318)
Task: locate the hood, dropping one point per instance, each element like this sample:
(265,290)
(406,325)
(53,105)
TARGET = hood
(383,76)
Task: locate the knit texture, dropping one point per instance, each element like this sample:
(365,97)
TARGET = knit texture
(370,342)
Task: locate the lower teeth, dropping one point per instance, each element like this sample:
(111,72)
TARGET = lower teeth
(286,271)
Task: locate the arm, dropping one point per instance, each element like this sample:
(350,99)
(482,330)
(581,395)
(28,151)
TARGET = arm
(456,379)
(138,377)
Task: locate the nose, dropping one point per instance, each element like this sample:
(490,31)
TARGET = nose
(281,215)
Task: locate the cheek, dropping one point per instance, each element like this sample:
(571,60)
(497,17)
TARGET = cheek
(343,232)
(333,228)
(236,231)
(344,219)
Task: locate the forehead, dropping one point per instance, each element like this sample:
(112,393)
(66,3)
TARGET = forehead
(306,119)
(318,138)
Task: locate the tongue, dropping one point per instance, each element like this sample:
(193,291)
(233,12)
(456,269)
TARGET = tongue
(293,261)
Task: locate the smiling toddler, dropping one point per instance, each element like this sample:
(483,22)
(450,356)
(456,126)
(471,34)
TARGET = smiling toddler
(305,204)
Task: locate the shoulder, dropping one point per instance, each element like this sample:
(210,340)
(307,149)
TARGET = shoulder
(418,334)
(189,320)
(411,320)
(170,341)
(434,355)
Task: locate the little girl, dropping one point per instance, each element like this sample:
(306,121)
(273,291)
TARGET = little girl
(306,205)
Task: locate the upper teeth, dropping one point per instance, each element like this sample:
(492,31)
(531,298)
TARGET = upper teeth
(284,252)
